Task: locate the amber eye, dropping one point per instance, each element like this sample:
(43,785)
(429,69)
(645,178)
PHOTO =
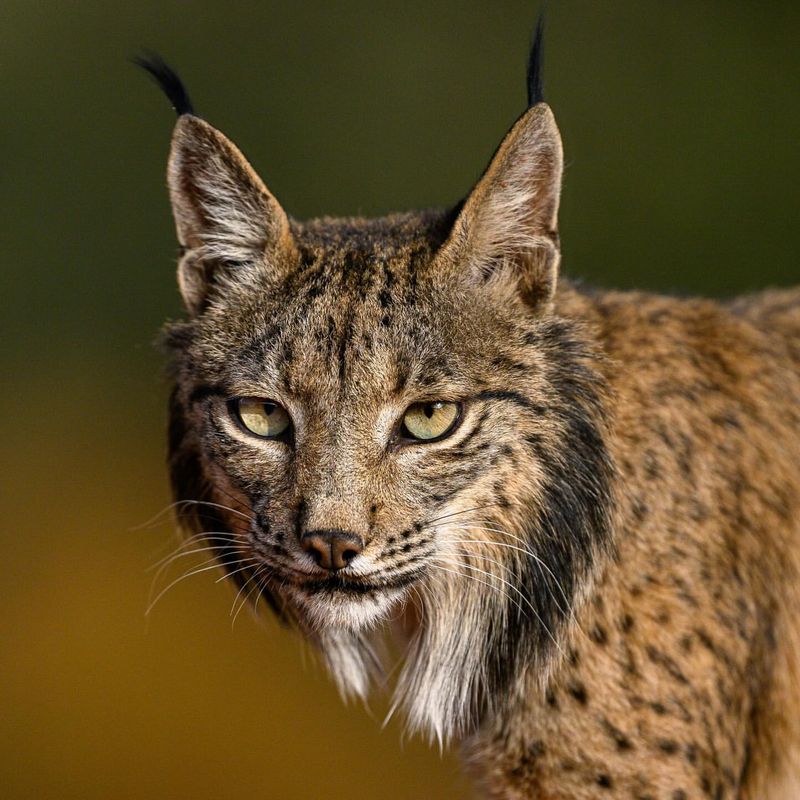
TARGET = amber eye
(426,422)
(264,418)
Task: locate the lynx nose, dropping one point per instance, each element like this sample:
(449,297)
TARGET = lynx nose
(332,549)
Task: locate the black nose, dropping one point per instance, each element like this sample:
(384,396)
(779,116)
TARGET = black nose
(332,549)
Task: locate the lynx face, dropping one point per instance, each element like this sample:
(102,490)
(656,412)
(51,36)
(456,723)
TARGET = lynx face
(352,499)
(373,412)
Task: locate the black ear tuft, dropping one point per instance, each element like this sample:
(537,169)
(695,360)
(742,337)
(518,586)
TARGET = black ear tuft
(167,79)
(535,91)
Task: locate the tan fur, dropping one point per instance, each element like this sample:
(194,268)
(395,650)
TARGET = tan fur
(682,679)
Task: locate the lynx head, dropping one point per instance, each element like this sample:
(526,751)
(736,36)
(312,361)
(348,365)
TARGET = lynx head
(372,416)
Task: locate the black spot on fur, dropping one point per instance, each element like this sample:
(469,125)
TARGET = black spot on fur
(598,635)
(621,741)
(537,749)
(578,691)
(667,663)
(626,623)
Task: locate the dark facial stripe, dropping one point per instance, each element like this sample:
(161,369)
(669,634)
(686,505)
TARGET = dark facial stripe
(203,392)
(513,397)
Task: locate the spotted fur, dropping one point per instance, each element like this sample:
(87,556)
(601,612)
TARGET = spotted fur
(595,576)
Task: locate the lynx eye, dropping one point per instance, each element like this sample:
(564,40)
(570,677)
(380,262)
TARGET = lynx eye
(427,422)
(264,418)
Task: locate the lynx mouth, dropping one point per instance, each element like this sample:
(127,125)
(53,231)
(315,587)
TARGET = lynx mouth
(346,599)
(341,585)
(353,585)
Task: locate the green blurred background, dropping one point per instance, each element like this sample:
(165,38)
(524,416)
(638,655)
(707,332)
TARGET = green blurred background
(680,122)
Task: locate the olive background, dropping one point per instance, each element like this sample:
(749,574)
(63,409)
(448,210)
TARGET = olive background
(680,123)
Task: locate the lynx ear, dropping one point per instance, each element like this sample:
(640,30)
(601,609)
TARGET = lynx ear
(507,229)
(225,217)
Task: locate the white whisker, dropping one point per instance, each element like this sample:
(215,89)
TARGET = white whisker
(178,503)
(542,565)
(477,580)
(180,552)
(530,605)
(215,565)
(260,571)
(248,562)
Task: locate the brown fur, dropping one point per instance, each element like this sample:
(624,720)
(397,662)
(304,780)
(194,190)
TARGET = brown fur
(614,615)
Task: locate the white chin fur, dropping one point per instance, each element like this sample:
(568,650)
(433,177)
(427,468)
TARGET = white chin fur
(331,610)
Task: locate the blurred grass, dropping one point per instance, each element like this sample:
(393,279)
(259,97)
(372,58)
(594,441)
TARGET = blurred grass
(680,123)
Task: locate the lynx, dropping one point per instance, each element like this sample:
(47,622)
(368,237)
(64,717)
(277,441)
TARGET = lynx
(577,511)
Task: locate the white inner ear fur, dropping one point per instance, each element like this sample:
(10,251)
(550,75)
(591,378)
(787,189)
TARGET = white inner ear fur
(223,211)
(507,230)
